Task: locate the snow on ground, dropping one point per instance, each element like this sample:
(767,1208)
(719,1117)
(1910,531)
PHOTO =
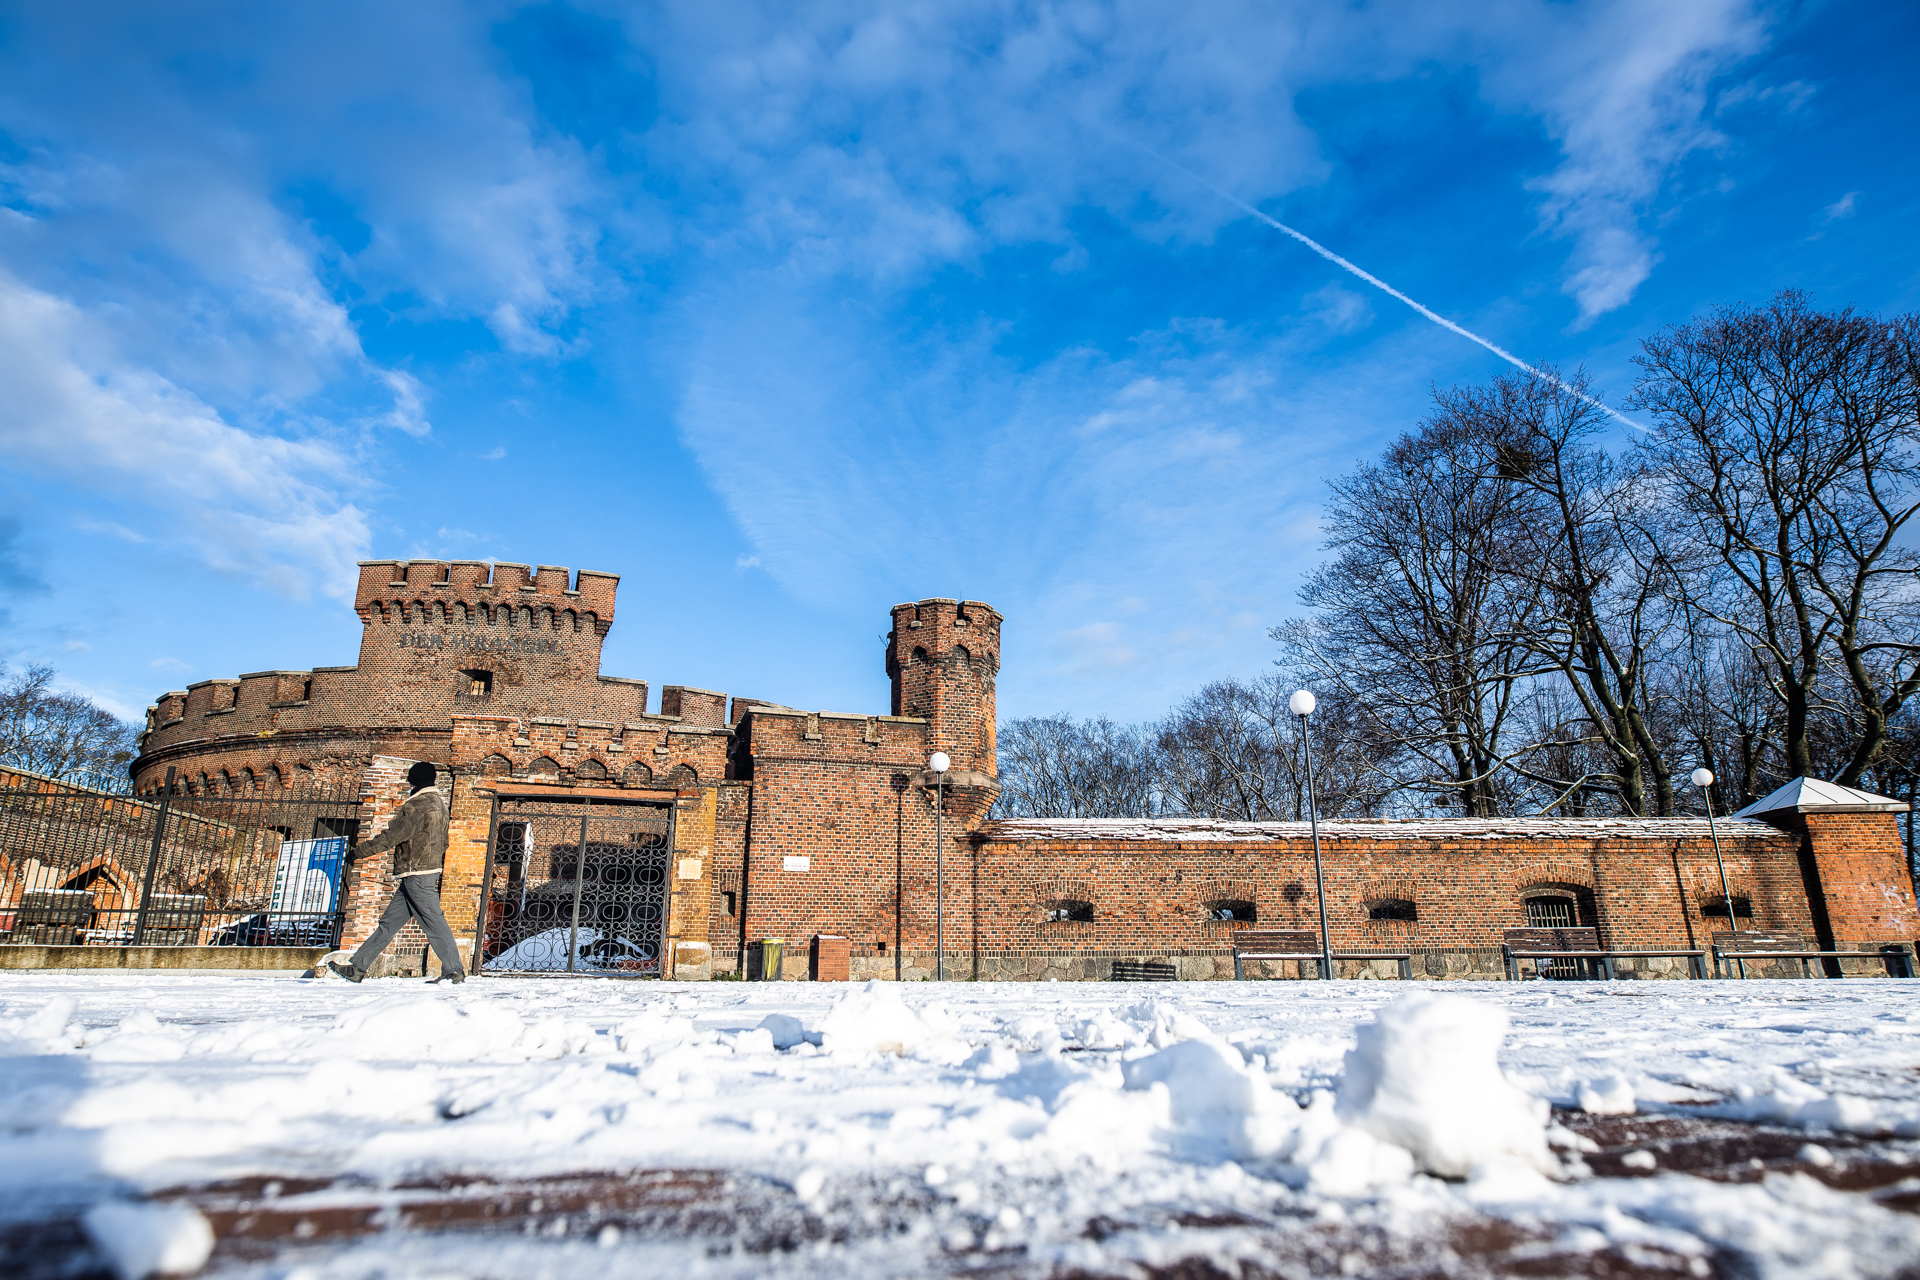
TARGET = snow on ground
(1005,1129)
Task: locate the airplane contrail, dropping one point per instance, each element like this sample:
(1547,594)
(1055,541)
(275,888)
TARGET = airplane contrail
(1386,288)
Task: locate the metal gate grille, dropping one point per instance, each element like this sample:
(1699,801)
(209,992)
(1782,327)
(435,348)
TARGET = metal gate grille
(575,886)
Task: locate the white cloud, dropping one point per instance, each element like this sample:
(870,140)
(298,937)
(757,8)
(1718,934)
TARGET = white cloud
(112,528)
(879,141)
(1338,308)
(1171,485)
(408,413)
(263,505)
(1841,208)
(1623,89)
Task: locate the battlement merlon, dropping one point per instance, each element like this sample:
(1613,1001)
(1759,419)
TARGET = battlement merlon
(476,581)
(694,706)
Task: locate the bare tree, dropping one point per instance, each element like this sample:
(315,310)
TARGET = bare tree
(1785,439)
(1058,767)
(1421,618)
(1233,750)
(1225,754)
(1591,556)
(60,735)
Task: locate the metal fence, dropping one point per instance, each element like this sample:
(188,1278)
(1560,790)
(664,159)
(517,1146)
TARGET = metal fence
(80,866)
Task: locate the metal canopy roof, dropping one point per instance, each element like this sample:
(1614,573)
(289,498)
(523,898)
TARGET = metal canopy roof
(1815,795)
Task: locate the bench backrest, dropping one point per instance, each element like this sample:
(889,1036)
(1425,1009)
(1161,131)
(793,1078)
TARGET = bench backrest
(1553,939)
(1276,940)
(1745,940)
(176,910)
(1144,971)
(55,906)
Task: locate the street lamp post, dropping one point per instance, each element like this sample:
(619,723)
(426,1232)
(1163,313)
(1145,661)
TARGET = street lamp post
(1703,779)
(939,764)
(1302,705)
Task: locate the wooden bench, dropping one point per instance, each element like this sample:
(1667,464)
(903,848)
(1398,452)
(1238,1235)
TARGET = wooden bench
(1301,944)
(173,920)
(1144,971)
(53,917)
(1752,944)
(1580,950)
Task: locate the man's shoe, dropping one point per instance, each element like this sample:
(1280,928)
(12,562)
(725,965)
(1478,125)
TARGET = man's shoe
(346,971)
(456,978)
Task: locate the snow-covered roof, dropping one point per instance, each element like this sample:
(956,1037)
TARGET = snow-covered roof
(1815,795)
(1176,829)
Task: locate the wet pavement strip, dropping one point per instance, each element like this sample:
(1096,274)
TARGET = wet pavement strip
(283,1220)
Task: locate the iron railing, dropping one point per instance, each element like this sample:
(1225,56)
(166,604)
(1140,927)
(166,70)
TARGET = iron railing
(82,866)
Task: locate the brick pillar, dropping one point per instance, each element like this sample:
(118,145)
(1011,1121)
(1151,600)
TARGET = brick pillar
(689,955)
(1859,872)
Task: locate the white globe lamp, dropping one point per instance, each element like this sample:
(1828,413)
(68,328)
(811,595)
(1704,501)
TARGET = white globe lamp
(1703,778)
(938,763)
(1302,704)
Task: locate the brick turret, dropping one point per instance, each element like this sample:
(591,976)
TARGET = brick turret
(943,656)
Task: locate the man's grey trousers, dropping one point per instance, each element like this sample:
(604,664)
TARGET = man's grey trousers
(417,897)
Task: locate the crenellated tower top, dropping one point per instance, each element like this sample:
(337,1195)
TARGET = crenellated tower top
(943,657)
(386,585)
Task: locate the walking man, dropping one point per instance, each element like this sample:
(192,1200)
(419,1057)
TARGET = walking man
(418,837)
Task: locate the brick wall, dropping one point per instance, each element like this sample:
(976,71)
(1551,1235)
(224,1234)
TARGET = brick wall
(1645,891)
(1865,892)
(837,829)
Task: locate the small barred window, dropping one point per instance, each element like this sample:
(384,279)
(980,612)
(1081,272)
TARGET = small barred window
(1067,911)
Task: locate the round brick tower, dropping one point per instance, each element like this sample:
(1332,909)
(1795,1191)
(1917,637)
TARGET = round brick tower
(943,656)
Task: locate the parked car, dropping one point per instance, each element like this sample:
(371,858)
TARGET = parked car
(262,930)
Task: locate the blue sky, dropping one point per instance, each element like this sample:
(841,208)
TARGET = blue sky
(788,318)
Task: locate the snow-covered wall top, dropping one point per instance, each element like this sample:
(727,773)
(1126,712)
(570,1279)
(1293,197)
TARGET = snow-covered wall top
(1175,829)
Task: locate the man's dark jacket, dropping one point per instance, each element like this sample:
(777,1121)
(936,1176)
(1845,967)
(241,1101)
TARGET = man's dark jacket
(417,835)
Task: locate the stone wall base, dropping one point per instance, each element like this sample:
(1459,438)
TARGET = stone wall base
(13,956)
(1468,964)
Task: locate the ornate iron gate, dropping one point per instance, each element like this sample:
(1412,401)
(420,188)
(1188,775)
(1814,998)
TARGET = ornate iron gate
(575,885)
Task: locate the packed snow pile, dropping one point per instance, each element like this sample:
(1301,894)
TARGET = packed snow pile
(1425,1075)
(995,1117)
(872,1019)
(143,1240)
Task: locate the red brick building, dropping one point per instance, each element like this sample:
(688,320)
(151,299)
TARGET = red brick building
(754,820)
